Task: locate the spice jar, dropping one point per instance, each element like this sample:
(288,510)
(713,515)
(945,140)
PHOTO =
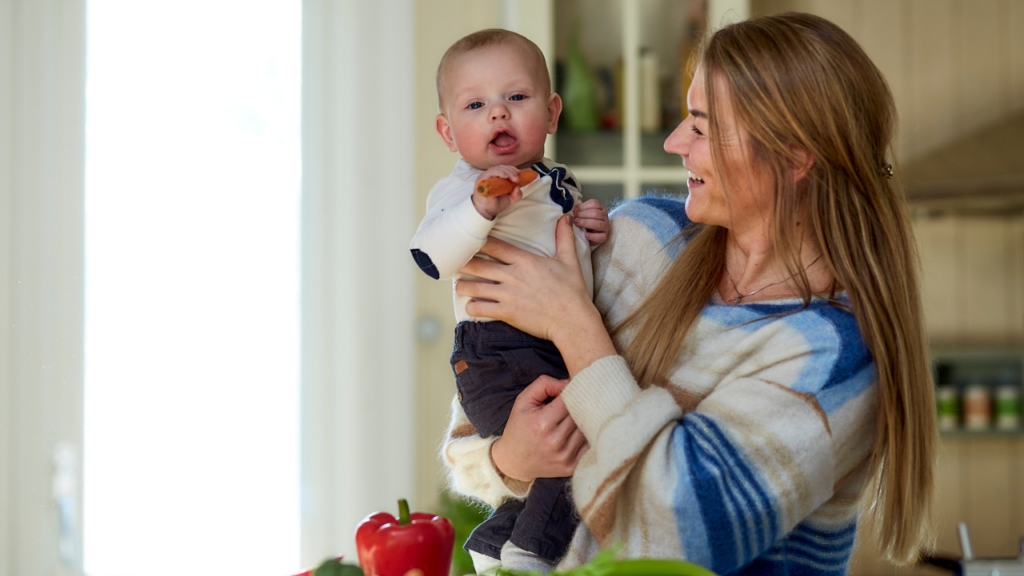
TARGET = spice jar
(977,407)
(948,401)
(1007,407)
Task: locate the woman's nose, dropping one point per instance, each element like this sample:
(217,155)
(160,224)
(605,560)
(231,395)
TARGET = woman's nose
(677,142)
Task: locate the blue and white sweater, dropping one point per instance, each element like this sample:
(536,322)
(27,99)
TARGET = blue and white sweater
(750,460)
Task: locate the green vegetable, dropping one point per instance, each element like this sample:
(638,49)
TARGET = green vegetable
(465,517)
(332,567)
(605,564)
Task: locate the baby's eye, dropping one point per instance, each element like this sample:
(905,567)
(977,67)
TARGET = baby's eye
(517,97)
(476,105)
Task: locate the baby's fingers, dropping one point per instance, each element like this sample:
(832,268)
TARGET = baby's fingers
(595,224)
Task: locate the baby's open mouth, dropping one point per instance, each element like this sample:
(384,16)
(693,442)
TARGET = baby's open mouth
(504,140)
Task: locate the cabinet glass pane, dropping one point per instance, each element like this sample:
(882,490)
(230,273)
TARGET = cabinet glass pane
(588,76)
(670,32)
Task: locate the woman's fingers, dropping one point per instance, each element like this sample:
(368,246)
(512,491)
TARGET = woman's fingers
(483,268)
(545,387)
(565,241)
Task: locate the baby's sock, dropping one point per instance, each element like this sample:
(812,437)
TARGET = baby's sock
(483,562)
(516,558)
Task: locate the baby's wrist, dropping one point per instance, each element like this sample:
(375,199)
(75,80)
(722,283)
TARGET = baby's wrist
(481,207)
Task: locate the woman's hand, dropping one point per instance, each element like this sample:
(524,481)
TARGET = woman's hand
(540,440)
(545,297)
(533,293)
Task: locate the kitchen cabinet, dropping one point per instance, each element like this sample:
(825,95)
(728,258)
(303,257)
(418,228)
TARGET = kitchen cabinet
(972,279)
(629,64)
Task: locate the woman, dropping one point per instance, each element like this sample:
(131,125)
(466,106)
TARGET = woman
(752,373)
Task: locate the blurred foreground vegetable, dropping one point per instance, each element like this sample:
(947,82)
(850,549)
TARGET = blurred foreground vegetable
(605,564)
(392,547)
(333,567)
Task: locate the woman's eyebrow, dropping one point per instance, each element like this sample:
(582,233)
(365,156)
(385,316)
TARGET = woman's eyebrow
(698,114)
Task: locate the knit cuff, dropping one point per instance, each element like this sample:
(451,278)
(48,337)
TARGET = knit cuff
(599,393)
(471,221)
(517,488)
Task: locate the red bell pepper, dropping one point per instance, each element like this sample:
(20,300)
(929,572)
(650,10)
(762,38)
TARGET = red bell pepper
(391,547)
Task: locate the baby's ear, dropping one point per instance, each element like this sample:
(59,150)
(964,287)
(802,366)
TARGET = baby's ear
(444,130)
(554,110)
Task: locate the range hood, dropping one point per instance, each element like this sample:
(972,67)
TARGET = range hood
(981,171)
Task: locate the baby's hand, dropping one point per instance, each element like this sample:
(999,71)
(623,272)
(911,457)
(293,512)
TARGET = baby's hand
(592,217)
(491,207)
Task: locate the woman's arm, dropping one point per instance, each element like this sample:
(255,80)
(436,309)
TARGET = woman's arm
(541,442)
(767,463)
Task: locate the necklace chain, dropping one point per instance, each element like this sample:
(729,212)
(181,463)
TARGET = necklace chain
(740,296)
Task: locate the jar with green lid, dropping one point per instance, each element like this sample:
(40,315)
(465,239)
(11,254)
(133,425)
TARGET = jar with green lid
(1007,407)
(948,400)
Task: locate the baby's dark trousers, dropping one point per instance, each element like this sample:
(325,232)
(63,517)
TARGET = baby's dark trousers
(493,362)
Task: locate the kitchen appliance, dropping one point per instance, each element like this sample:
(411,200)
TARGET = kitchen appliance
(971,566)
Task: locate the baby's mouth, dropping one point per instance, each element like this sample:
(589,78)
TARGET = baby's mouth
(504,142)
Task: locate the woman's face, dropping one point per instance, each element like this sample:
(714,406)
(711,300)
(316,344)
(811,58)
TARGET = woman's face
(749,201)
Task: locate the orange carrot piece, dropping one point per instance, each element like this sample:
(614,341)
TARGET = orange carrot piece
(499,186)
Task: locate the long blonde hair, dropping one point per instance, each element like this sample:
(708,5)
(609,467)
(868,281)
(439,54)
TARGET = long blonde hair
(799,82)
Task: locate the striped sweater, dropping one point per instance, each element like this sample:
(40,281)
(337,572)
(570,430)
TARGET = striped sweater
(750,460)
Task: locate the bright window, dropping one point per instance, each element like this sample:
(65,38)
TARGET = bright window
(192,287)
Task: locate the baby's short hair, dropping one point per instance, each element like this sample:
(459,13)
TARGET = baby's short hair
(485,39)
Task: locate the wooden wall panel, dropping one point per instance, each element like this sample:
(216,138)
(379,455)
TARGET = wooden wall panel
(1017,492)
(949,509)
(882,35)
(986,495)
(1015,282)
(953,65)
(928,110)
(937,241)
(1015,22)
(981,265)
(980,80)
(842,13)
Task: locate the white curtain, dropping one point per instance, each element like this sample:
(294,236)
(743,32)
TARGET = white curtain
(358,350)
(42,136)
(358,392)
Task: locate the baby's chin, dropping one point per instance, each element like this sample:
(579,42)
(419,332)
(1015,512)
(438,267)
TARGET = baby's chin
(517,161)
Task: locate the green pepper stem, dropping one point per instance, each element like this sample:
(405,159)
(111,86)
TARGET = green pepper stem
(403,512)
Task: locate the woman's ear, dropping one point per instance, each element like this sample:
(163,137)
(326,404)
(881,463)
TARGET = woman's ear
(444,130)
(802,164)
(554,110)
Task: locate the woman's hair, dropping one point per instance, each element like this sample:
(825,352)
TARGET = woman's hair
(798,82)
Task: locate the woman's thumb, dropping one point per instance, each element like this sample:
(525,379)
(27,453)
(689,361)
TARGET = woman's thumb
(565,238)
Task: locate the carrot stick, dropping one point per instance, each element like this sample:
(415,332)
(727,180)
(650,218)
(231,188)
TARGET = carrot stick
(499,186)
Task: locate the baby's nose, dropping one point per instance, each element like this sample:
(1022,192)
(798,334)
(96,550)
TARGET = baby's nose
(499,112)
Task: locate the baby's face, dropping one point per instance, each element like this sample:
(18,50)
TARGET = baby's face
(496,110)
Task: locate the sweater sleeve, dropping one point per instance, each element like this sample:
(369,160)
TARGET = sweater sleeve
(451,232)
(738,468)
(471,472)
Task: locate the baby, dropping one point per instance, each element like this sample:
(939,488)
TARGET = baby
(496,110)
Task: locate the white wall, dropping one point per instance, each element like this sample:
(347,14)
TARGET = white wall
(358,385)
(42,136)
